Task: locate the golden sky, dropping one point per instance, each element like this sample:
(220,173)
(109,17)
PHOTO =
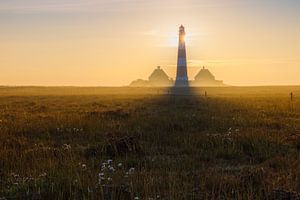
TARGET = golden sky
(112,42)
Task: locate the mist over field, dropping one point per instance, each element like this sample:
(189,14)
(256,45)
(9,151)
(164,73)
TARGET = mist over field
(143,143)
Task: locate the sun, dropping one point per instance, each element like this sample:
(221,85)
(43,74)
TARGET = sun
(174,40)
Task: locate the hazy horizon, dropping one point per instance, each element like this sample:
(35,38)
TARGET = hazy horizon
(113,42)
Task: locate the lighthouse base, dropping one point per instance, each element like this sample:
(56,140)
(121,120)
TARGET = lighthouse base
(182,83)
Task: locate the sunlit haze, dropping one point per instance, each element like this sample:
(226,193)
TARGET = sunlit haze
(113,42)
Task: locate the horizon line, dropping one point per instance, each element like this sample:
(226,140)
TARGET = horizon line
(118,86)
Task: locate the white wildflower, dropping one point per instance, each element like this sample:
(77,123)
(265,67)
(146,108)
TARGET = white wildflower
(111,169)
(66,146)
(101,174)
(109,161)
(126,175)
(101,177)
(16,175)
(43,174)
(131,170)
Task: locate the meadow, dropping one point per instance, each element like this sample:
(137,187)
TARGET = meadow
(145,143)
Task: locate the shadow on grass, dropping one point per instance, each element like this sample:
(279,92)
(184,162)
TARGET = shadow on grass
(206,147)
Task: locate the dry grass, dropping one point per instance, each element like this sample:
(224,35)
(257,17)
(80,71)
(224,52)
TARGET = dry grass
(237,143)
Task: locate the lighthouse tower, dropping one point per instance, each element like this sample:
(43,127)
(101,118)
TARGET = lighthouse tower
(181,77)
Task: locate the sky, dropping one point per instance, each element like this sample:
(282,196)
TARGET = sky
(112,42)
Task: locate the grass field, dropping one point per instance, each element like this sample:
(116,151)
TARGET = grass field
(143,143)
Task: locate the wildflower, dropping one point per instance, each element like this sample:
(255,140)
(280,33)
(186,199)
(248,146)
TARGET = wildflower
(136,198)
(66,146)
(111,169)
(109,179)
(120,165)
(229,131)
(101,174)
(101,177)
(83,166)
(109,162)
(103,166)
(43,174)
(16,175)
(131,170)
(126,175)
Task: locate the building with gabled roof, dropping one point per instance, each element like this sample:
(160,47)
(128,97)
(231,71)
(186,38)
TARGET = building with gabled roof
(206,78)
(158,78)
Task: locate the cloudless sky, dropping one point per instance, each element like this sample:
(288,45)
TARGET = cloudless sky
(112,42)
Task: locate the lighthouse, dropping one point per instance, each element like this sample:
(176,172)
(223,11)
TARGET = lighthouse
(181,76)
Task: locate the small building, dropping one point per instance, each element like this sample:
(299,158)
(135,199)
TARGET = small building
(158,78)
(206,78)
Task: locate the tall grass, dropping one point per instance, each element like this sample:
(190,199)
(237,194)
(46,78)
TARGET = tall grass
(237,143)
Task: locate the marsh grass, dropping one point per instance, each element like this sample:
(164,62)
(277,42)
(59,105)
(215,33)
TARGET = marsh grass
(236,143)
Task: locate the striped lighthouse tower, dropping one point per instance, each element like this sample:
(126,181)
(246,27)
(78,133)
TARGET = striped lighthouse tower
(181,77)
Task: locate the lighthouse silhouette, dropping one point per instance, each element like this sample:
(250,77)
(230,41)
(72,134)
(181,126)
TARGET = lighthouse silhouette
(181,76)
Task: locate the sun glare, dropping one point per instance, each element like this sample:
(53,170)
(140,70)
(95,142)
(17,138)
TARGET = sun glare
(173,40)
